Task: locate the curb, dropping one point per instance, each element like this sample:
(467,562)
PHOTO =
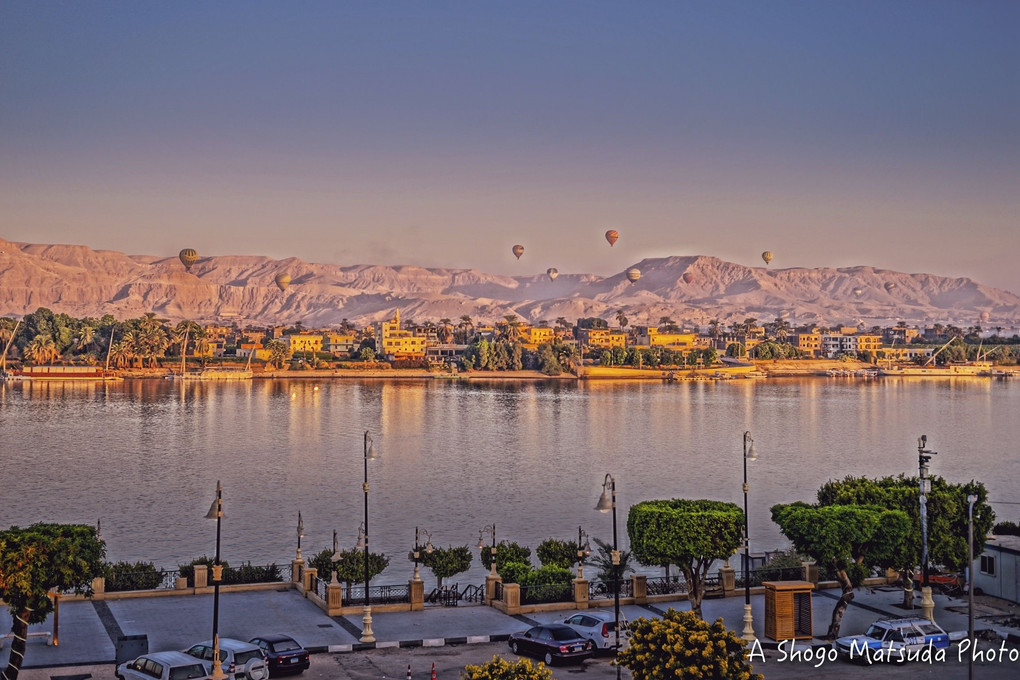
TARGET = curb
(409,644)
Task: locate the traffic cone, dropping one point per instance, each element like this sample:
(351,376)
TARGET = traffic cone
(433,670)
(408,671)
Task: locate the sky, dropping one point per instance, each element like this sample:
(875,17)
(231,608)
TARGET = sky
(440,134)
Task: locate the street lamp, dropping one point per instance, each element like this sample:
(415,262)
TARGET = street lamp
(366,628)
(583,550)
(923,456)
(491,531)
(216,513)
(607,502)
(417,548)
(300,534)
(749,455)
(971,500)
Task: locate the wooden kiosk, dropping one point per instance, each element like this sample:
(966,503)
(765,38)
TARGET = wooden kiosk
(788,610)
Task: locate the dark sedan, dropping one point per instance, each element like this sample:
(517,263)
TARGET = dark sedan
(283,654)
(552,642)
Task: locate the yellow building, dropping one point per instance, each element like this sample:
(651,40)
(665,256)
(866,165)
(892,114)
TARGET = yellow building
(651,337)
(303,342)
(537,336)
(866,342)
(392,342)
(809,343)
(602,337)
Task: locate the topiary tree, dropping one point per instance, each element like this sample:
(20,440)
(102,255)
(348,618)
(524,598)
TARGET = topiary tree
(553,551)
(445,562)
(36,560)
(851,539)
(691,534)
(506,551)
(350,567)
(682,645)
(501,669)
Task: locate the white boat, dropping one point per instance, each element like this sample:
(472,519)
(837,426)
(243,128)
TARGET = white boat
(218,373)
(970,368)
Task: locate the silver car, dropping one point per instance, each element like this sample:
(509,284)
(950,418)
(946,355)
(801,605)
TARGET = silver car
(162,666)
(240,660)
(599,627)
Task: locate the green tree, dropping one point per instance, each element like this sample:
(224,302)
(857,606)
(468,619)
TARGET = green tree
(36,560)
(506,551)
(553,551)
(691,534)
(946,510)
(501,669)
(682,645)
(850,539)
(602,560)
(349,565)
(445,562)
(278,353)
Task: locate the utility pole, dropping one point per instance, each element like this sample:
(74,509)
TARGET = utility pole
(923,457)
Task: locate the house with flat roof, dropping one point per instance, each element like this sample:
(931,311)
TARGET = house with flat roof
(997,569)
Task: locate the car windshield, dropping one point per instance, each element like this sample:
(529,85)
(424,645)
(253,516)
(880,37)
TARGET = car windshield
(561,634)
(187,672)
(876,632)
(285,646)
(929,629)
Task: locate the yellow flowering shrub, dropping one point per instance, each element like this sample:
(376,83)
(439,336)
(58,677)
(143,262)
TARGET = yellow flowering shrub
(501,669)
(682,645)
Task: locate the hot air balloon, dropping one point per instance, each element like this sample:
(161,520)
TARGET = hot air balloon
(985,316)
(687,277)
(889,287)
(858,292)
(282,280)
(188,257)
(767,256)
(611,236)
(518,250)
(553,272)
(633,274)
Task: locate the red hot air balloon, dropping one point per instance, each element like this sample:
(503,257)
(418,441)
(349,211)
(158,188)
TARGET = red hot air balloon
(688,277)
(611,236)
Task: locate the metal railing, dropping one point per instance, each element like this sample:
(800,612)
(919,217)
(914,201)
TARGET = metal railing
(380,594)
(602,589)
(321,587)
(164,579)
(667,585)
(767,573)
(549,592)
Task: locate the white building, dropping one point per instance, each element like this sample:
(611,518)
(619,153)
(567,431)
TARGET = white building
(997,570)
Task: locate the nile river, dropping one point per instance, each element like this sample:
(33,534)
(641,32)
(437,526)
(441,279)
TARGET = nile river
(144,456)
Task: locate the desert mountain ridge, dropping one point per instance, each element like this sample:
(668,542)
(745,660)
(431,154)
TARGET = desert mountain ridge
(80,281)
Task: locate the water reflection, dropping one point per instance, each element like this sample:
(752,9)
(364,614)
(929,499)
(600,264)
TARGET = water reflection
(529,456)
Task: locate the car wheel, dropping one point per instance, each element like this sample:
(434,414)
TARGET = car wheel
(513,647)
(548,658)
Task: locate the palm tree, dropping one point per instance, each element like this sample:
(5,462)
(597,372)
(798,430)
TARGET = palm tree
(621,319)
(713,327)
(42,350)
(510,327)
(120,354)
(277,353)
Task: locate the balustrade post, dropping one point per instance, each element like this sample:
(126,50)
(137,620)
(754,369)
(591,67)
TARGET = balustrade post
(639,584)
(580,593)
(201,576)
(490,588)
(728,580)
(512,598)
(334,599)
(416,589)
(98,586)
(296,567)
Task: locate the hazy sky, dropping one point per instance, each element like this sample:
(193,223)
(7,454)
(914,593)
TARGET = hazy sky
(441,133)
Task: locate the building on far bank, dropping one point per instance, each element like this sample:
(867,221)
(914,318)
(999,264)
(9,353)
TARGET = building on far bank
(392,342)
(606,338)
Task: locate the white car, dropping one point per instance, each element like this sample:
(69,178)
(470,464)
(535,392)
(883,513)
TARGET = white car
(599,627)
(162,666)
(241,660)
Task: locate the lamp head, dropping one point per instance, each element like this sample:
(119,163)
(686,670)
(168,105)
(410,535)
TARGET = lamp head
(300,526)
(370,453)
(605,503)
(751,454)
(972,499)
(481,542)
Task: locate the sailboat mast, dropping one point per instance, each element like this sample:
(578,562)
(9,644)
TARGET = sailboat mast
(3,357)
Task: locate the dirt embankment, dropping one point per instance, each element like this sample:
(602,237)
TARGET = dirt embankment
(795,367)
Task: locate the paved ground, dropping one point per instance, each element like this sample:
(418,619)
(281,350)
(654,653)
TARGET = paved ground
(89,630)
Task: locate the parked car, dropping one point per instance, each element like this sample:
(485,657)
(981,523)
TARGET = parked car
(283,653)
(240,660)
(893,639)
(552,642)
(599,627)
(162,666)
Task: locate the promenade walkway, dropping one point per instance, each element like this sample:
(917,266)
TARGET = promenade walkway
(88,631)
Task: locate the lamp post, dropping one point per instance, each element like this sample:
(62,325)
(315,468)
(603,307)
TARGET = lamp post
(216,513)
(923,456)
(607,502)
(417,548)
(366,629)
(749,454)
(583,550)
(491,531)
(300,534)
(971,500)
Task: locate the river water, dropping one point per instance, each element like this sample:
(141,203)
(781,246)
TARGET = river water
(145,455)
